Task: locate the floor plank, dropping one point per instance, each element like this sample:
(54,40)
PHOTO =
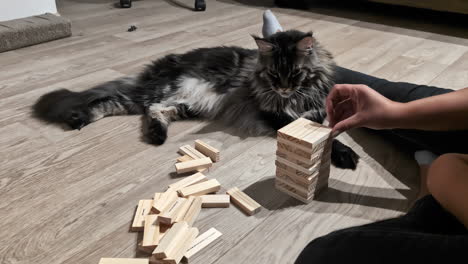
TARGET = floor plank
(68,195)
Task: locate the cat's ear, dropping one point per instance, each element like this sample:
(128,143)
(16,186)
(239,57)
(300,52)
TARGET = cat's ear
(263,45)
(306,43)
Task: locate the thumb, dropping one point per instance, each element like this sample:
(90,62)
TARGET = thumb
(347,124)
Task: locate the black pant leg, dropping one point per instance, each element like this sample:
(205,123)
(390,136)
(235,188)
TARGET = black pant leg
(426,234)
(439,142)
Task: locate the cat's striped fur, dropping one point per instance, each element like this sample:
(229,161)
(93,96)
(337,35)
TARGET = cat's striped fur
(256,91)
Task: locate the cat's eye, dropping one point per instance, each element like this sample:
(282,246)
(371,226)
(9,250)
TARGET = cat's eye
(296,72)
(272,74)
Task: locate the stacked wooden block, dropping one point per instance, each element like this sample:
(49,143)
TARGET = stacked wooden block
(303,159)
(167,220)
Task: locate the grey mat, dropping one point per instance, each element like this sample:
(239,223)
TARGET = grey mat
(29,31)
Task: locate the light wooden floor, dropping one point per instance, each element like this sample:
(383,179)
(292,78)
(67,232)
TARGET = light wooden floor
(69,196)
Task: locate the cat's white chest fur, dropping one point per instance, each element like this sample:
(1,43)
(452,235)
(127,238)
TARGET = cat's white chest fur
(199,95)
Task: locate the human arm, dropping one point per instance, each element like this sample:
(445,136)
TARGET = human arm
(350,106)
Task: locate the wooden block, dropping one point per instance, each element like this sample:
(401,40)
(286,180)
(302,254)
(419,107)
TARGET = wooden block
(296,130)
(165,200)
(217,200)
(301,150)
(123,261)
(154,260)
(183,246)
(291,153)
(143,209)
(193,165)
(169,216)
(171,240)
(201,188)
(291,192)
(319,136)
(292,158)
(243,201)
(280,173)
(184,158)
(190,180)
(151,233)
(304,132)
(201,242)
(184,208)
(292,171)
(193,210)
(207,150)
(307,171)
(304,191)
(191,152)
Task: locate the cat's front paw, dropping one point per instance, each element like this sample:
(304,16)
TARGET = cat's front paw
(343,156)
(157,133)
(77,119)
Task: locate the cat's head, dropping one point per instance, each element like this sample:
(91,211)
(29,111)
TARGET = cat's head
(285,59)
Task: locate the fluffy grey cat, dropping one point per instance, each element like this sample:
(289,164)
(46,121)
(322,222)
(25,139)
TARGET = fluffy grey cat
(256,91)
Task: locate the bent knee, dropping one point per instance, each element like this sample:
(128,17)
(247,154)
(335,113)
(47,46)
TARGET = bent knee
(443,172)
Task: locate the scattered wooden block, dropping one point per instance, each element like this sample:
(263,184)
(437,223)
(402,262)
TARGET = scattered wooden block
(151,233)
(169,242)
(168,216)
(213,201)
(193,165)
(184,158)
(165,200)
(201,188)
(191,152)
(201,242)
(207,150)
(243,201)
(190,180)
(143,209)
(123,261)
(184,208)
(193,210)
(183,246)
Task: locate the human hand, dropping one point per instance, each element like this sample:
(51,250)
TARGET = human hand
(350,106)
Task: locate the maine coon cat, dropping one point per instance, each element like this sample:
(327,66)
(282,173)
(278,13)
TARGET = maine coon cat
(256,91)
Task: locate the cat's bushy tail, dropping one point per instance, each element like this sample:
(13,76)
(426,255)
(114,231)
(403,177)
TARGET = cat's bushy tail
(78,109)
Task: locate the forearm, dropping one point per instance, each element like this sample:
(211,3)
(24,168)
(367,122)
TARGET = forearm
(442,112)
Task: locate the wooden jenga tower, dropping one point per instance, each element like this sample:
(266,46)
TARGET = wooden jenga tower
(303,159)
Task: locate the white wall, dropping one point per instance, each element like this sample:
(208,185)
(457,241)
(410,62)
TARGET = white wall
(13,9)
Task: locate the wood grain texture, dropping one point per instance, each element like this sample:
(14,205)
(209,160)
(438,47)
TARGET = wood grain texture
(243,201)
(98,174)
(201,242)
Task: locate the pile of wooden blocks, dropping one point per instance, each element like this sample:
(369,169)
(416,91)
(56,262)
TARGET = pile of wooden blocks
(303,159)
(167,219)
